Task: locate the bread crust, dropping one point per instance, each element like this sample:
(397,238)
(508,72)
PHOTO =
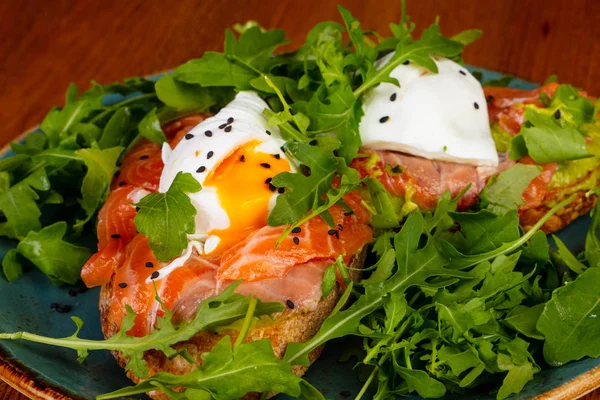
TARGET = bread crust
(582,205)
(290,325)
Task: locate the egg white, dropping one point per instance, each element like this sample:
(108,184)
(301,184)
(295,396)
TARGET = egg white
(249,124)
(439,116)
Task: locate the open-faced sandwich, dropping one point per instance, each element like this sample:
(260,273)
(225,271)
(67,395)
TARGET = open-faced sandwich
(253,206)
(431,134)
(234,155)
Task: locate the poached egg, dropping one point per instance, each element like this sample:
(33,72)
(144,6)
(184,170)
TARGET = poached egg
(439,116)
(233,155)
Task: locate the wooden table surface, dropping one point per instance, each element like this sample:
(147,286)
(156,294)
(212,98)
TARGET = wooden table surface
(47,44)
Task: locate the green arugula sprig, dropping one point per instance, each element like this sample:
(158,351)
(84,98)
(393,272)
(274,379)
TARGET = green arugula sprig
(220,310)
(395,333)
(167,218)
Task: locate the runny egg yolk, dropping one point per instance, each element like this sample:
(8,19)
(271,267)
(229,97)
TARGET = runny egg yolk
(241,181)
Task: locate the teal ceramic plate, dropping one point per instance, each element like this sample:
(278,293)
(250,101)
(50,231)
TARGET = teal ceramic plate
(44,372)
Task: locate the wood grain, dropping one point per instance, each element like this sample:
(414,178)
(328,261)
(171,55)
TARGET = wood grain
(47,44)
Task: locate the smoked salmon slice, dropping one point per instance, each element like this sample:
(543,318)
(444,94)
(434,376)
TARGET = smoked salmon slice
(115,230)
(257,257)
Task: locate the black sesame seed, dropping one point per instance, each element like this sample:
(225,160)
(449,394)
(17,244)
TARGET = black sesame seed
(64,309)
(476,106)
(265,165)
(122,183)
(297,230)
(54,306)
(208,133)
(277,156)
(230,120)
(122,285)
(149,264)
(313,142)
(406,62)
(117,174)
(332,232)
(72,292)
(222,126)
(349,213)
(272,188)
(268,133)
(290,304)
(462,72)
(281,190)
(268,180)
(296,240)
(144,157)
(489,98)
(210,154)
(154,275)
(115,236)
(137,208)
(396,169)
(384,119)
(243,158)
(393,97)
(557,114)
(189,136)
(340,227)
(228,129)
(201,169)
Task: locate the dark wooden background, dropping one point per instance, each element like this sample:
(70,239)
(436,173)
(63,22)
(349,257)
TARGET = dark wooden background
(44,45)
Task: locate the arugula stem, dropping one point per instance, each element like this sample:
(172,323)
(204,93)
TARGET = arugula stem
(72,343)
(308,216)
(367,383)
(515,245)
(247,322)
(119,104)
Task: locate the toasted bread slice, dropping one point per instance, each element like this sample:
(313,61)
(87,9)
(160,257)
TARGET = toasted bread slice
(290,325)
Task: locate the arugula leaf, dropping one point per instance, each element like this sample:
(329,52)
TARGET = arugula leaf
(503,81)
(149,128)
(573,106)
(220,310)
(167,218)
(254,45)
(386,217)
(304,191)
(214,69)
(568,321)
(115,128)
(567,257)
(252,366)
(18,204)
(101,167)
(467,37)
(329,281)
(592,241)
(182,96)
(505,192)
(59,123)
(59,260)
(484,231)
(524,320)
(551,140)
(518,375)
(11,265)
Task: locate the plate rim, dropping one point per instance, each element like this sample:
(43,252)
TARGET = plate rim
(28,383)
